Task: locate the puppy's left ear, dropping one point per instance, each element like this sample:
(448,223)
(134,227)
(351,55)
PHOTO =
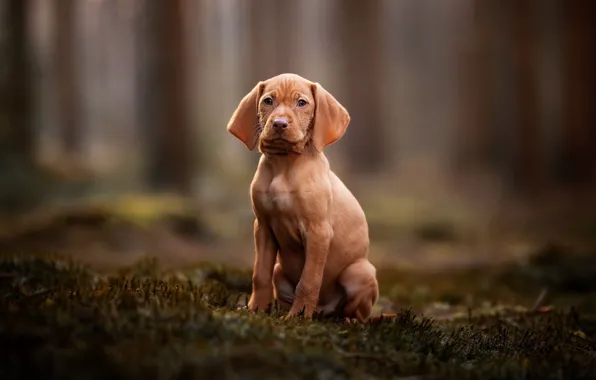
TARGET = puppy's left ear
(331,118)
(243,123)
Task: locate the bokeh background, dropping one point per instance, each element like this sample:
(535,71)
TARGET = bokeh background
(472,137)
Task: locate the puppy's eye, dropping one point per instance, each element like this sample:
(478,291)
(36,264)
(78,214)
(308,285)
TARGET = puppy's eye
(268,100)
(302,103)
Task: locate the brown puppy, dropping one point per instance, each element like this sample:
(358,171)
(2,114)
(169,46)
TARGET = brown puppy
(305,215)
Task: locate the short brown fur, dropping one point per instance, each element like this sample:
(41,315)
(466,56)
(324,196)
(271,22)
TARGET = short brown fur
(305,217)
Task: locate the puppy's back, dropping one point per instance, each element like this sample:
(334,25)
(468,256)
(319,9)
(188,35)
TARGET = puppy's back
(349,223)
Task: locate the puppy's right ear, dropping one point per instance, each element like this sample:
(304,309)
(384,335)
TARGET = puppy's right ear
(244,121)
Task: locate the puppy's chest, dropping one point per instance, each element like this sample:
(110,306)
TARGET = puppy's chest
(276,198)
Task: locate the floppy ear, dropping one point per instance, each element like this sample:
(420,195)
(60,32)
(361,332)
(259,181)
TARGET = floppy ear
(243,123)
(331,118)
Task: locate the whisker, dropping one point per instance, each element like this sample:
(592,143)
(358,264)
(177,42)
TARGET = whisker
(258,130)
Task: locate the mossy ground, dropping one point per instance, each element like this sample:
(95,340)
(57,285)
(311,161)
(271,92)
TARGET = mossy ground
(60,320)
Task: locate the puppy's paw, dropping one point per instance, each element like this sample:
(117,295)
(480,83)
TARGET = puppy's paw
(293,317)
(264,309)
(257,304)
(300,310)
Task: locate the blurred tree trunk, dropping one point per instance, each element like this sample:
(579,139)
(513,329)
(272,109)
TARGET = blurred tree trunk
(503,118)
(260,64)
(16,137)
(578,161)
(67,76)
(163,94)
(528,173)
(271,42)
(261,28)
(549,62)
(285,38)
(475,137)
(361,38)
(18,179)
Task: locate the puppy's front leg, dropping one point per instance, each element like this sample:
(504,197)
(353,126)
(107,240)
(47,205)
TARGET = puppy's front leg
(318,239)
(262,277)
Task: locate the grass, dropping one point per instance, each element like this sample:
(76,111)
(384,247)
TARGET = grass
(61,320)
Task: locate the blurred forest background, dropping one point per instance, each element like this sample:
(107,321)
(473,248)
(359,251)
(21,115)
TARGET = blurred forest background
(472,136)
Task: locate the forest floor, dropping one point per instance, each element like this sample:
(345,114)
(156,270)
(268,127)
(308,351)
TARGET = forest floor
(95,293)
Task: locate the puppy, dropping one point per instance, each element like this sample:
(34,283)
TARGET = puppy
(305,217)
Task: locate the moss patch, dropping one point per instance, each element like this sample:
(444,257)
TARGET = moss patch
(61,320)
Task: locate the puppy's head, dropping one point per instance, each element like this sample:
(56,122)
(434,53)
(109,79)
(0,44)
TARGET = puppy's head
(287,113)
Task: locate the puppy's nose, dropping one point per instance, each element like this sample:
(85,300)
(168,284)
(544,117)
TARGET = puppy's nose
(280,123)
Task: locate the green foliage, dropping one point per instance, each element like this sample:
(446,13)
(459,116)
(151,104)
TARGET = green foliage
(61,320)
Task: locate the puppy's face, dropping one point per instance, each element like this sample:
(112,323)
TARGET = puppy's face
(286,109)
(290,112)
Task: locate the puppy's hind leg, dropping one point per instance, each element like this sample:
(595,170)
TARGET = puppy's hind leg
(283,289)
(359,281)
